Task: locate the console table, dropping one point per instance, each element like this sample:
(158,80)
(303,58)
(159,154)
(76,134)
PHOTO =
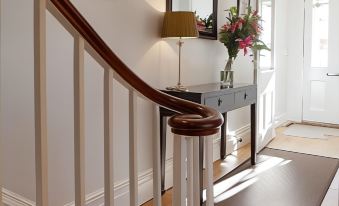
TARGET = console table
(221,99)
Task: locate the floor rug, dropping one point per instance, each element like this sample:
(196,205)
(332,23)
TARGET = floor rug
(279,179)
(320,147)
(309,131)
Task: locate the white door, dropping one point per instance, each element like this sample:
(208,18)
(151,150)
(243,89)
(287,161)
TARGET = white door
(266,76)
(321,62)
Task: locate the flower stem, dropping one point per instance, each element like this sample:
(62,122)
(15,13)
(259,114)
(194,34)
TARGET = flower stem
(229,63)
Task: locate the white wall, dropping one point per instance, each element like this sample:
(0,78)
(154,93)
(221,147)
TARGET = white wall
(16,100)
(132,29)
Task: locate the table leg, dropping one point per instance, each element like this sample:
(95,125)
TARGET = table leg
(163,128)
(223,137)
(201,167)
(253,134)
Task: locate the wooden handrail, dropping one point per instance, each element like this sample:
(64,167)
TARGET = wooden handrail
(194,119)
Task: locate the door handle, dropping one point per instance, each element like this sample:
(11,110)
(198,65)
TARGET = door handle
(333,74)
(245,96)
(219,102)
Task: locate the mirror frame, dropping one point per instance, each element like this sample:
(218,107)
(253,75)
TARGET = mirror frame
(248,4)
(204,35)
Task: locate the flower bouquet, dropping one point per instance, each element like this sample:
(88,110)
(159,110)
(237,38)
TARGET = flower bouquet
(241,32)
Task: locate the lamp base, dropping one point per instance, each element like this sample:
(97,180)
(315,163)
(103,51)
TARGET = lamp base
(178,88)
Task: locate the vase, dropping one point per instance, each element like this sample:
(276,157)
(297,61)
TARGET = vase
(228,74)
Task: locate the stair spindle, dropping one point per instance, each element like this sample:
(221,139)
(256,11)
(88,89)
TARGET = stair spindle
(209,171)
(79,120)
(179,171)
(108,139)
(41,158)
(156,158)
(133,152)
(0,138)
(190,168)
(196,173)
(1,204)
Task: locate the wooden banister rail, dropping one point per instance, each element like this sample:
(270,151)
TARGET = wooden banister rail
(193,120)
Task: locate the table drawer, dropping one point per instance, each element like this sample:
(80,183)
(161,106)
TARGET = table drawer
(245,97)
(221,103)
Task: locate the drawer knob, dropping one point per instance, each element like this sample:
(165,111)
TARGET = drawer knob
(245,96)
(219,102)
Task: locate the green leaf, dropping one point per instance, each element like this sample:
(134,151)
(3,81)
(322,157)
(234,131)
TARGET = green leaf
(259,47)
(234,11)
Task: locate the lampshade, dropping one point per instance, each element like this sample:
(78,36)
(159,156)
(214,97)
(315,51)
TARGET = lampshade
(179,24)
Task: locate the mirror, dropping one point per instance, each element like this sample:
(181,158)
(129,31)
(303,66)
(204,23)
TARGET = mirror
(242,5)
(206,13)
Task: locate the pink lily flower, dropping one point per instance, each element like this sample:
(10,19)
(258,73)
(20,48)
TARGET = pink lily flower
(244,44)
(225,27)
(234,27)
(240,23)
(201,25)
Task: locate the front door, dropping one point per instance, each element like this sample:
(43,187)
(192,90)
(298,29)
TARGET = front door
(321,61)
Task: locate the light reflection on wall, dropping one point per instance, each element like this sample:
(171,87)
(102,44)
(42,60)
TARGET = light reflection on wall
(158,5)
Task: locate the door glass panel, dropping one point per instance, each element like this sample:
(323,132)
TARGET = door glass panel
(266,36)
(320,14)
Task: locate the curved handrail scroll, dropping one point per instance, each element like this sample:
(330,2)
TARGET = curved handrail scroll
(193,120)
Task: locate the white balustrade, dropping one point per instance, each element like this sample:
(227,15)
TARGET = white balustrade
(79,120)
(41,152)
(133,158)
(156,158)
(184,191)
(1,204)
(179,171)
(0,138)
(190,171)
(196,173)
(186,181)
(108,137)
(209,171)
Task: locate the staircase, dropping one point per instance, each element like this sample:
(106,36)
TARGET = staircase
(193,120)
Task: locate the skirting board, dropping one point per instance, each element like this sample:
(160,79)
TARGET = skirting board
(263,139)
(12,199)
(280,120)
(121,189)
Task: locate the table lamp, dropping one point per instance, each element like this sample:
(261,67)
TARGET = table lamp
(179,24)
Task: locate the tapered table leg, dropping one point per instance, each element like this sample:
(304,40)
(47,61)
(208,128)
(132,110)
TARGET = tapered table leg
(201,168)
(163,128)
(223,138)
(253,134)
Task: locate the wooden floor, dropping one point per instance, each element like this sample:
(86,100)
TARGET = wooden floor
(280,178)
(232,162)
(220,169)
